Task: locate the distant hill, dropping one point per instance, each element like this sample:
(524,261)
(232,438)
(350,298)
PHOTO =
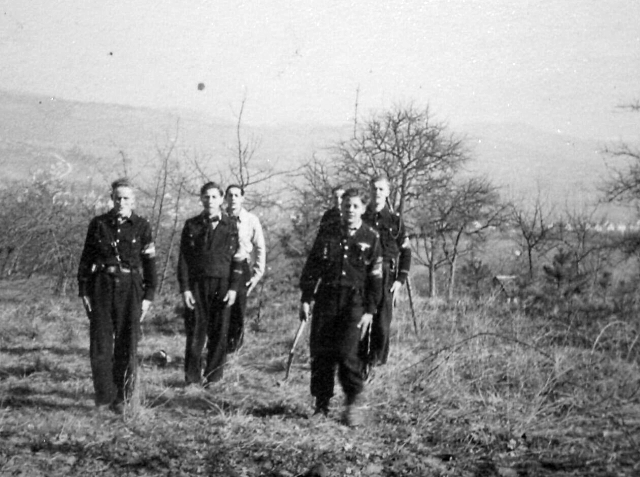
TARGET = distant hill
(527,162)
(37,131)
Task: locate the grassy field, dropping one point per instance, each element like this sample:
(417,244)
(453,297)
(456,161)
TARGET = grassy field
(478,391)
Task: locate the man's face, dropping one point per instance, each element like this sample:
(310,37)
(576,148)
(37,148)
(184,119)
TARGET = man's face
(211,201)
(337,198)
(123,200)
(352,210)
(380,192)
(234,199)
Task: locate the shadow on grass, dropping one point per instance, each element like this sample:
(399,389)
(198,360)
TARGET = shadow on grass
(198,400)
(22,391)
(54,373)
(193,402)
(41,402)
(58,351)
(285,410)
(275,365)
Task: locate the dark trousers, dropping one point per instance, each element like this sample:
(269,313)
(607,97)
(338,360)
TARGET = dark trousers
(207,322)
(335,341)
(381,326)
(236,320)
(114,330)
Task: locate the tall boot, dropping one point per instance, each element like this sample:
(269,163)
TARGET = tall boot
(353,412)
(321,406)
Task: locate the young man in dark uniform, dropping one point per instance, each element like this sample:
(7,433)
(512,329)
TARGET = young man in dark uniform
(396,254)
(116,281)
(332,217)
(343,274)
(209,273)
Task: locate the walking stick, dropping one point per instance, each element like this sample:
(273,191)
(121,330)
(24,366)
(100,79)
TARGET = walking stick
(413,311)
(292,350)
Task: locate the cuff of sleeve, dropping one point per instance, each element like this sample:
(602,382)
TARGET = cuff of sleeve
(370,308)
(149,294)
(307,296)
(235,280)
(402,276)
(82,289)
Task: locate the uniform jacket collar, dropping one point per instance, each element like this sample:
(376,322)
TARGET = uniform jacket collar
(384,211)
(113,216)
(224,218)
(242,215)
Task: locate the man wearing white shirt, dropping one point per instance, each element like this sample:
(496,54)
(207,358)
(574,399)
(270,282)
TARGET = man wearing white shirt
(252,251)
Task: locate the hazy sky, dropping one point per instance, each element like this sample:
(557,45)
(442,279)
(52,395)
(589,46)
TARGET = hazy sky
(557,64)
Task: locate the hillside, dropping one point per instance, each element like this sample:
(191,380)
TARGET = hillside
(36,131)
(470,391)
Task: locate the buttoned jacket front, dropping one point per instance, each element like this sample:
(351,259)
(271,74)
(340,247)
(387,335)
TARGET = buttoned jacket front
(118,242)
(343,260)
(206,252)
(393,239)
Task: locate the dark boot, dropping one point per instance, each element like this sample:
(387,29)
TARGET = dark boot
(321,407)
(353,414)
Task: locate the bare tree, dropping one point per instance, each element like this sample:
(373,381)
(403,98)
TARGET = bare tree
(418,154)
(533,226)
(406,144)
(42,226)
(589,251)
(623,184)
(454,221)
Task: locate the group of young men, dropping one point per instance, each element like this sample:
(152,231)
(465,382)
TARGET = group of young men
(360,258)
(222,258)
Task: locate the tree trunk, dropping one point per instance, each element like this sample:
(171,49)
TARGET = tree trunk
(452,276)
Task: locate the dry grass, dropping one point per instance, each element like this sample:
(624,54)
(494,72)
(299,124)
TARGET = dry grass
(480,390)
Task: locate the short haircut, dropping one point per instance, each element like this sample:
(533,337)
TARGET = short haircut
(379,178)
(352,194)
(211,185)
(235,186)
(121,182)
(337,188)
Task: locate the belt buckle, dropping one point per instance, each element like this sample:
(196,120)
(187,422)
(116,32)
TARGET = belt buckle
(115,269)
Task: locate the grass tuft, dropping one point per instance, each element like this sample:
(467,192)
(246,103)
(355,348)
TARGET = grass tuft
(470,389)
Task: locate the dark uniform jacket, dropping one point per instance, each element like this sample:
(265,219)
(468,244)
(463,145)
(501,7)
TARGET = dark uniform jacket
(330,220)
(209,253)
(128,245)
(341,260)
(396,249)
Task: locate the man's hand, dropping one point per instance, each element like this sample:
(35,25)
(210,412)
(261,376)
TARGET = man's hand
(87,305)
(230,297)
(395,286)
(365,324)
(305,310)
(189,301)
(146,304)
(251,284)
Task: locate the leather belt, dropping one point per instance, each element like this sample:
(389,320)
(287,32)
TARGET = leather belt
(115,269)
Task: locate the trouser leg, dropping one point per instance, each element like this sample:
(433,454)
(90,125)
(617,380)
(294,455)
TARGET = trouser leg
(323,369)
(350,377)
(126,326)
(101,340)
(381,326)
(237,313)
(217,335)
(196,323)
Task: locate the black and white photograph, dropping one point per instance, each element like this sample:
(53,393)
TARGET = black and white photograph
(324,239)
